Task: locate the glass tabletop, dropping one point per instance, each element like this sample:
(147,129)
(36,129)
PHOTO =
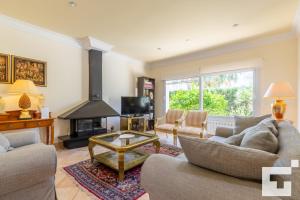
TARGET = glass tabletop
(123,138)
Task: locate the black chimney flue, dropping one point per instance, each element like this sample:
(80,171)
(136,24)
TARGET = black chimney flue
(95,75)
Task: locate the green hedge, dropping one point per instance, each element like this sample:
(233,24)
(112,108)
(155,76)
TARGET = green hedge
(222,102)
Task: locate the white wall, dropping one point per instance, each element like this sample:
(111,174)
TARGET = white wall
(67,69)
(275,61)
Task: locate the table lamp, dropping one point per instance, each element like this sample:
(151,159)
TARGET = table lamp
(279,91)
(24,87)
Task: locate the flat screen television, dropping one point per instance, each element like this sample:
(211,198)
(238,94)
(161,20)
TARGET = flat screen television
(135,105)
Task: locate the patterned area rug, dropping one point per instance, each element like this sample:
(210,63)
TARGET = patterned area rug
(103,181)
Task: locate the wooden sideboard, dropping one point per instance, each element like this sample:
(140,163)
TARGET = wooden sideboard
(9,121)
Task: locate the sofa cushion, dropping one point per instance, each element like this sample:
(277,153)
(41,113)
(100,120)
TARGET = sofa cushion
(241,123)
(240,162)
(4,142)
(260,137)
(166,127)
(236,139)
(188,130)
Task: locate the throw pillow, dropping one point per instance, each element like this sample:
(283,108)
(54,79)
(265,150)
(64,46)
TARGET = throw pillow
(236,139)
(227,159)
(260,137)
(271,124)
(4,142)
(268,122)
(241,123)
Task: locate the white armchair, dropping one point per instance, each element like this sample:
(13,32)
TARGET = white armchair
(194,124)
(168,122)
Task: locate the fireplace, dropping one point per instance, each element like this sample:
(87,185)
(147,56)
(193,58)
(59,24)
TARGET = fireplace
(81,130)
(82,127)
(86,118)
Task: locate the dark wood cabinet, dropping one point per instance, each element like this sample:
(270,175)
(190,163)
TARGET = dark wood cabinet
(146,87)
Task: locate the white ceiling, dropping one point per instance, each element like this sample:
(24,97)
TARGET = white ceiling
(138,27)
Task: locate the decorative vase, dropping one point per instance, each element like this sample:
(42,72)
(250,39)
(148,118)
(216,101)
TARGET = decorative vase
(278,109)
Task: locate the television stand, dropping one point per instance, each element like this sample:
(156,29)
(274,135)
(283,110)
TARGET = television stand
(131,122)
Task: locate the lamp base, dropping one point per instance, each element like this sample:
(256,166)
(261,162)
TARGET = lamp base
(25,115)
(24,103)
(278,109)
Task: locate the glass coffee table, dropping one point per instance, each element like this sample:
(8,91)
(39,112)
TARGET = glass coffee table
(123,145)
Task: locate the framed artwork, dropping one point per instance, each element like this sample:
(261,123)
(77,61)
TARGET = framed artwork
(5,68)
(29,69)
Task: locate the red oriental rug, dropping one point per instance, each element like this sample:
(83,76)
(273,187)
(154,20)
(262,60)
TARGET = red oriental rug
(103,182)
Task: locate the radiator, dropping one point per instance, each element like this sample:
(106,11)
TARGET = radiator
(214,121)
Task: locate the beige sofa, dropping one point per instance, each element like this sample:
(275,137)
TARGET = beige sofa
(27,172)
(169,178)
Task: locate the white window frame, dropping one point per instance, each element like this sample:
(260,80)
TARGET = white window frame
(255,94)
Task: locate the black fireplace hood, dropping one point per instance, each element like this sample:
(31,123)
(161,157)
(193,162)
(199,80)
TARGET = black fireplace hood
(95,106)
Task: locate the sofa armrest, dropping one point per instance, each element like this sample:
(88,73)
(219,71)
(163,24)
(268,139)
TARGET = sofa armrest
(26,166)
(19,139)
(224,131)
(184,181)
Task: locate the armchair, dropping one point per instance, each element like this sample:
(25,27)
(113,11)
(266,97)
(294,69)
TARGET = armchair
(27,172)
(194,124)
(168,122)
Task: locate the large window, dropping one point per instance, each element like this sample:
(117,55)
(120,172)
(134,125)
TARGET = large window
(221,94)
(183,94)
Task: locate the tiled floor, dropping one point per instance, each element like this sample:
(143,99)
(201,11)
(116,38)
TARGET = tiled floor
(65,185)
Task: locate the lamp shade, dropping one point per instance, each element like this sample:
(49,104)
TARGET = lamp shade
(23,86)
(280,90)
